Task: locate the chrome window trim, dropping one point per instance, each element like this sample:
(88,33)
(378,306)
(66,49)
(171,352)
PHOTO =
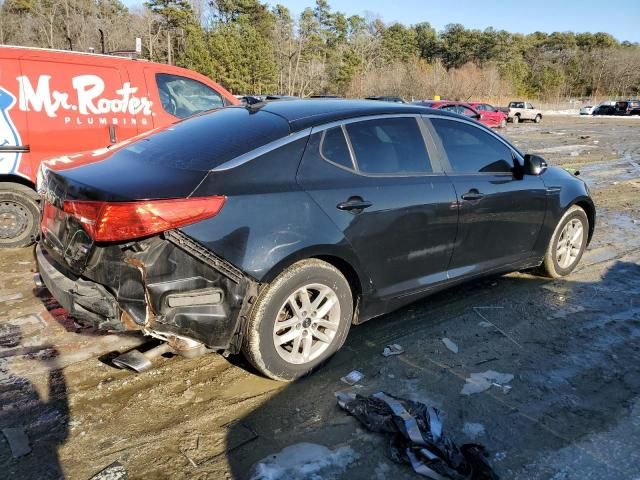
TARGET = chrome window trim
(435,167)
(451,171)
(247,157)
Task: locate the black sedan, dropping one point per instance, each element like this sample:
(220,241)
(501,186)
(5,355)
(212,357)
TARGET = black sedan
(269,230)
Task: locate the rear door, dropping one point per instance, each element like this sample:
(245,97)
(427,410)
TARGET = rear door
(500,216)
(374,178)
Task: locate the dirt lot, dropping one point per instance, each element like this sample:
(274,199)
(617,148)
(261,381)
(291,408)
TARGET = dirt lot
(573,347)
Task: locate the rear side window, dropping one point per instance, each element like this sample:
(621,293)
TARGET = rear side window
(333,147)
(389,146)
(183,97)
(472,150)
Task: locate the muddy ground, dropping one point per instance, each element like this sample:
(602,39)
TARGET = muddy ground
(573,347)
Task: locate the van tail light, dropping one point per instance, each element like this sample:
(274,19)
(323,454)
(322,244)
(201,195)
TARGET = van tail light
(120,221)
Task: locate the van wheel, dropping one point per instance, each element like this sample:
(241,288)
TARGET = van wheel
(538,119)
(19,215)
(567,244)
(299,320)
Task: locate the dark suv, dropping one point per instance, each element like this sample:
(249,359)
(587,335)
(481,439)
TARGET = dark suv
(271,229)
(628,107)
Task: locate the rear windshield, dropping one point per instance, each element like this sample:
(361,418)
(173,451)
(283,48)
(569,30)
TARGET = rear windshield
(207,141)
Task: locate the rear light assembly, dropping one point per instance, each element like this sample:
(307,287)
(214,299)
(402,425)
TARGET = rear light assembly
(121,221)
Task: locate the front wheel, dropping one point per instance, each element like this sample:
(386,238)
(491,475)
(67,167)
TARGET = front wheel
(19,215)
(299,320)
(567,244)
(538,119)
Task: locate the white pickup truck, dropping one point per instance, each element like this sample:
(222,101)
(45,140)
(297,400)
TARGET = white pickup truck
(519,111)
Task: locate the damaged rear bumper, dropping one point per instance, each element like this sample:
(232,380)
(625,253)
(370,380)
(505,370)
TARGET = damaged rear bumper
(167,287)
(83,299)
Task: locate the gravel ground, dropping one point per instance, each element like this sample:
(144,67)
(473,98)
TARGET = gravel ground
(572,346)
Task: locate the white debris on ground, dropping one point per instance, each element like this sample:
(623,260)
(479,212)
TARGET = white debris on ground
(304,460)
(450,344)
(352,378)
(473,430)
(479,382)
(391,350)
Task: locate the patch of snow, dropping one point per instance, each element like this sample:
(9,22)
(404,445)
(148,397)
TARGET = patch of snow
(479,382)
(562,112)
(450,344)
(473,430)
(565,149)
(304,460)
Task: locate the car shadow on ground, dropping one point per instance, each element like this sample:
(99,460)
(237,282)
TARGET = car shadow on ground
(573,349)
(36,419)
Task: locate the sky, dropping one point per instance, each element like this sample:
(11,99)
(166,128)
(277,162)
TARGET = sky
(620,18)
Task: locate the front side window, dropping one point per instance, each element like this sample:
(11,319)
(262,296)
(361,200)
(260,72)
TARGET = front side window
(389,146)
(472,150)
(467,112)
(183,97)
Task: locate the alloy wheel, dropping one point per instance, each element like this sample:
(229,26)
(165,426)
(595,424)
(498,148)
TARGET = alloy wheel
(307,323)
(569,243)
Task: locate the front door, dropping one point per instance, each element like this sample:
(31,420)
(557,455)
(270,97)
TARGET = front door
(500,215)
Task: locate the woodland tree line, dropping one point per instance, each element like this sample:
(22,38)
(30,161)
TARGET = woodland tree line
(254,48)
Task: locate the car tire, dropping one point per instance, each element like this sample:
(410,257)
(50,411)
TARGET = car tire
(321,333)
(538,119)
(516,119)
(503,123)
(561,258)
(19,215)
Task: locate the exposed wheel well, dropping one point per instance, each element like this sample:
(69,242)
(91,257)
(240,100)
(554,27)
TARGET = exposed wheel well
(17,179)
(348,271)
(591,215)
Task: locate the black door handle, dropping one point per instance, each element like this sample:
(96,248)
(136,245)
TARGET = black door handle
(472,194)
(354,205)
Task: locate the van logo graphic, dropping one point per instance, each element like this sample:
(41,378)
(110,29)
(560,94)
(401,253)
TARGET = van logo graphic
(87,104)
(9,136)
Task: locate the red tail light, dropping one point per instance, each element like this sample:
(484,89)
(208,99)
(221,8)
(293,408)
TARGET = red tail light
(118,221)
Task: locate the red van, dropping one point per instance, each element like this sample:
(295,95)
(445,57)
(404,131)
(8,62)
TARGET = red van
(54,103)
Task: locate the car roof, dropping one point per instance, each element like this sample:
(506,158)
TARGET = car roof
(301,114)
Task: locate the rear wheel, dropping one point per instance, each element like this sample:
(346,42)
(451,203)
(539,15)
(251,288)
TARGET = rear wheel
(503,123)
(538,119)
(299,320)
(19,215)
(567,244)
(516,119)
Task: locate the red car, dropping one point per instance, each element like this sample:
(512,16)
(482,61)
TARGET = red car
(491,113)
(490,118)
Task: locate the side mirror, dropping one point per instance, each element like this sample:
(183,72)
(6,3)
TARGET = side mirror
(534,165)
